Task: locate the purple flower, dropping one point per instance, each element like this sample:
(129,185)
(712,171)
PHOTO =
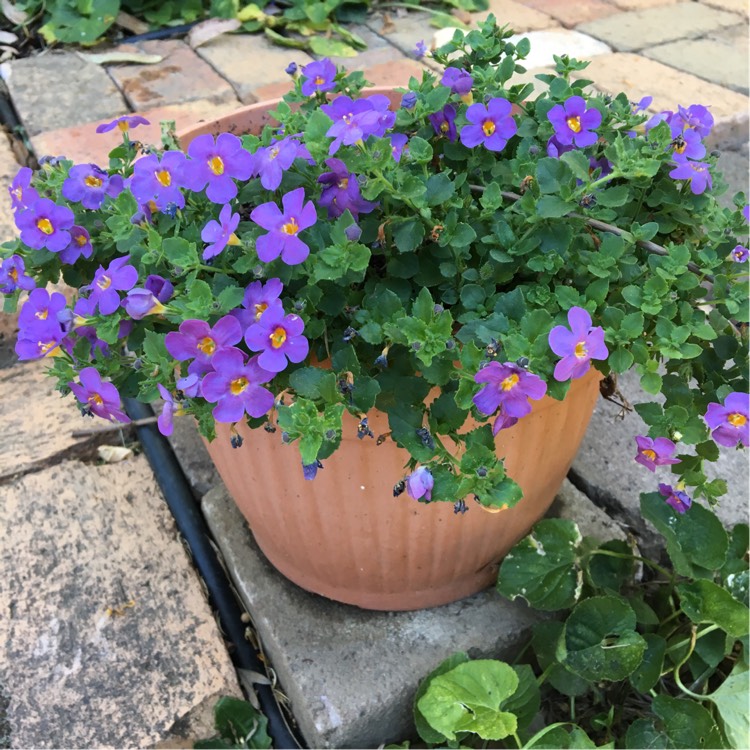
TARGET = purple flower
(502,421)
(291,69)
(420,50)
(355,121)
(695,117)
(419,484)
(555,148)
(40,339)
(217,164)
(117,277)
(457,80)
(398,144)
(318,76)
(508,386)
(13,275)
(739,254)
(45,224)
(679,500)
(689,145)
(409,100)
(603,164)
(139,303)
(160,287)
(310,471)
(444,122)
(220,233)
(695,172)
(746,212)
(89,185)
(159,181)
(642,105)
(578,346)
(341,191)
(353,232)
(98,397)
(123,123)
(41,306)
(283,228)
(190,385)
(492,125)
(234,386)
(279,338)
(271,162)
(197,340)
(653,453)
(22,195)
(169,411)
(575,124)
(80,245)
(729,422)
(258,298)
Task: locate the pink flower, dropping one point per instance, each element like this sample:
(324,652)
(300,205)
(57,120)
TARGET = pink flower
(653,453)
(577,346)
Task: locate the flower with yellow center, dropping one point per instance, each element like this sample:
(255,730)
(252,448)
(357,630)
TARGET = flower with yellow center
(278,337)
(488,127)
(260,308)
(574,123)
(45,225)
(92,181)
(163,177)
(508,383)
(104,282)
(737,420)
(239,385)
(291,226)
(207,345)
(581,351)
(216,165)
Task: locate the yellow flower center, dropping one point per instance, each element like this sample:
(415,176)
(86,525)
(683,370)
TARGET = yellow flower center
(124,125)
(574,123)
(509,382)
(13,273)
(81,239)
(649,454)
(92,182)
(274,152)
(444,126)
(319,80)
(45,225)
(207,345)
(291,227)
(238,385)
(278,337)
(41,314)
(104,282)
(344,183)
(260,308)
(95,398)
(163,177)
(737,420)
(17,193)
(581,351)
(216,165)
(153,207)
(488,127)
(49,347)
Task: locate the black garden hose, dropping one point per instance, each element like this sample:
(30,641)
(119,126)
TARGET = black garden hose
(164,33)
(195,531)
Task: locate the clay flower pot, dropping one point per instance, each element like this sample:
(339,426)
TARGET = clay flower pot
(344,536)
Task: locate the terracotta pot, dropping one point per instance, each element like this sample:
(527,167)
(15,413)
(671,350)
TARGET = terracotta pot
(346,537)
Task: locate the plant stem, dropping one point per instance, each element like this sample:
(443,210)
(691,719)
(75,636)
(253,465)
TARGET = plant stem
(517,739)
(644,560)
(693,638)
(543,676)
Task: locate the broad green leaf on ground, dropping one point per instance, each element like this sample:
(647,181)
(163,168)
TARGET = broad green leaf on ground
(238,725)
(599,641)
(468,698)
(643,735)
(731,700)
(424,729)
(561,736)
(543,567)
(544,642)
(686,723)
(705,601)
(606,572)
(525,702)
(649,670)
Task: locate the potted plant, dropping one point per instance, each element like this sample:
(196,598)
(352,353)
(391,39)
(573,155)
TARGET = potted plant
(421,289)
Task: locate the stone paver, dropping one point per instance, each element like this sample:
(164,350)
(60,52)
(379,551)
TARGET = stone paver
(545,44)
(517,16)
(61,89)
(570,13)
(80,540)
(642,4)
(403,32)
(351,674)
(734,6)
(640,76)
(627,32)
(8,169)
(252,65)
(719,58)
(82,143)
(181,76)
(394,74)
(379,50)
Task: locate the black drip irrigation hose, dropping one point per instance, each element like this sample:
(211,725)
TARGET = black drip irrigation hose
(164,33)
(193,527)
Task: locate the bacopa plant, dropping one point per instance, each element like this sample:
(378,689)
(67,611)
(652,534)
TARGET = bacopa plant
(366,249)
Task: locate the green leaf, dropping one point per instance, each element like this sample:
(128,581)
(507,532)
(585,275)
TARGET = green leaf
(326,47)
(408,235)
(543,567)
(730,698)
(613,197)
(649,670)
(552,207)
(607,572)
(468,698)
(558,737)
(686,723)
(704,601)
(425,731)
(180,253)
(643,735)
(311,382)
(239,723)
(440,188)
(599,640)
(420,151)
(526,700)
(544,642)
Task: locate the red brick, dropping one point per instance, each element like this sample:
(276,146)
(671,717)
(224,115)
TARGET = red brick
(570,13)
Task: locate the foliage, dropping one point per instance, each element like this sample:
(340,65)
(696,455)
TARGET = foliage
(317,26)
(238,725)
(641,655)
(414,273)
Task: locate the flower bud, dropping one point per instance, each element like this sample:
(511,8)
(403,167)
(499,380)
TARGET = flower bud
(409,100)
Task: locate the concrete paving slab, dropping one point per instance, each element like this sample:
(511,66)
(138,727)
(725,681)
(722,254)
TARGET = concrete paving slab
(517,16)
(734,6)
(642,4)
(572,14)
(351,674)
(8,170)
(404,31)
(61,89)
(637,30)
(109,641)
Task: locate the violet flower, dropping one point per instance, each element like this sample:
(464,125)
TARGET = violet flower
(139,303)
(283,228)
(318,76)
(220,233)
(677,499)
(235,387)
(508,386)
(39,339)
(45,224)
(13,275)
(420,50)
(409,100)
(258,298)
(444,122)
(22,195)
(457,80)
(695,117)
(271,162)
(577,346)
(653,453)
(341,192)
(502,421)
(117,277)
(190,385)
(159,180)
(216,165)
(98,397)
(353,121)
(419,484)
(310,471)
(41,306)
(197,340)
(728,422)
(695,172)
(89,185)
(279,338)
(398,146)
(689,145)
(80,246)
(555,149)
(739,254)
(123,123)
(491,125)
(160,287)
(575,124)
(169,411)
